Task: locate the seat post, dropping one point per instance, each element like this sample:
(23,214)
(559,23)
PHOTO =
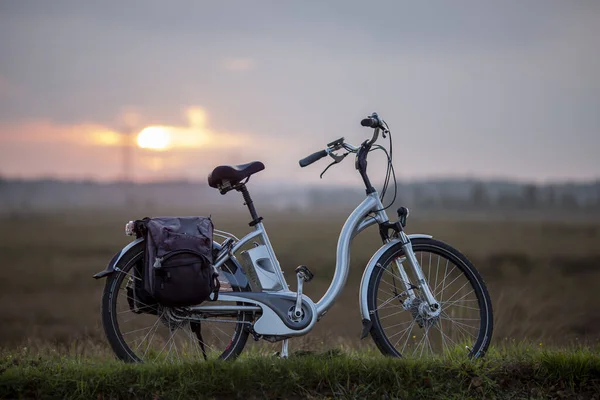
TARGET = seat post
(248,202)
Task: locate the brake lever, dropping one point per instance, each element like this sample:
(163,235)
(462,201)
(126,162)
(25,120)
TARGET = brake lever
(336,160)
(384,130)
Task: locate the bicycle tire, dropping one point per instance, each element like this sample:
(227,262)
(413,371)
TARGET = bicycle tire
(111,327)
(467,269)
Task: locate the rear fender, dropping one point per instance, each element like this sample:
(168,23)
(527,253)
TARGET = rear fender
(238,278)
(110,268)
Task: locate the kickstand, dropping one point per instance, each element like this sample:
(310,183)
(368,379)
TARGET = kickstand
(195,326)
(284,349)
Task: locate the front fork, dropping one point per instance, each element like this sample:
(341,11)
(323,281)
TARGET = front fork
(423,286)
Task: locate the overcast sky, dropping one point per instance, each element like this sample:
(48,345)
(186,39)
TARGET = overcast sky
(505,89)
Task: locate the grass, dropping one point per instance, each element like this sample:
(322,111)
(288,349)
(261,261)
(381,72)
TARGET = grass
(507,372)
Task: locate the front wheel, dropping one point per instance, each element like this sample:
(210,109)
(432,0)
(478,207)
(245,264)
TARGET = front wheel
(403,325)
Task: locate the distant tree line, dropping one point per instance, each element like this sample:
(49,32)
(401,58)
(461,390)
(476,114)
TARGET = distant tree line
(478,196)
(528,197)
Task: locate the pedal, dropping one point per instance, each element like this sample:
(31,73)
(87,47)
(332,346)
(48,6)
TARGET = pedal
(303,272)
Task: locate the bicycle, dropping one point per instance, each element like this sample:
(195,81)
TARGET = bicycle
(255,299)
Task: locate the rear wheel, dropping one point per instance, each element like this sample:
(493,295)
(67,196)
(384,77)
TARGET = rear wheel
(402,324)
(163,333)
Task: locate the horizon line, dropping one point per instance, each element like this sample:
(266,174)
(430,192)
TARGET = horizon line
(183,180)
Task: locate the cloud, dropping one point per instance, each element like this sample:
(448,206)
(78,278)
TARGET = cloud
(196,134)
(46,131)
(46,148)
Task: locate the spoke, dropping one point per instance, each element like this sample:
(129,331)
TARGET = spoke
(193,339)
(437,272)
(459,327)
(418,344)
(150,341)
(388,301)
(144,338)
(467,307)
(401,323)
(445,286)
(393,276)
(402,331)
(386,292)
(408,337)
(458,300)
(140,308)
(444,335)
(441,335)
(166,343)
(428,341)
(171,346)
(390,315)
(458,291)
(429,270)
(176,352)
(445,276)
(137,330)
(453,320)
(218,337)
(465,319)
(391,307)
(129,275)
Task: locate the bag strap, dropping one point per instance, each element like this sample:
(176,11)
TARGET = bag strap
(215,285)
(140,227)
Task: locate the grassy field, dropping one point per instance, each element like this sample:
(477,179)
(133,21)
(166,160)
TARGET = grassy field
(514,372)
(543,276)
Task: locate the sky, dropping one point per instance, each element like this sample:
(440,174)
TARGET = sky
(474,89)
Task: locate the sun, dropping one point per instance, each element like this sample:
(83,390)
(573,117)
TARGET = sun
(154,138)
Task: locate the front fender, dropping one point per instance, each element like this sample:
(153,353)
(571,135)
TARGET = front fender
(364,284)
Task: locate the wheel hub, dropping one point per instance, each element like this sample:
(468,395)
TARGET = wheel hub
(174,318)
(421,313)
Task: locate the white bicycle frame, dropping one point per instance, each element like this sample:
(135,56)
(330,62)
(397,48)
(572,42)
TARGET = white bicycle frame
(271,323)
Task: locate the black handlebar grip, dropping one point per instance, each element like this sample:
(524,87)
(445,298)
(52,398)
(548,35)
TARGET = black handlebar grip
(370,122)
(312,158)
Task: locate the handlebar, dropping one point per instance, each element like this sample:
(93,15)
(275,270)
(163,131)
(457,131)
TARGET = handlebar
(313,157)
(371,121)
